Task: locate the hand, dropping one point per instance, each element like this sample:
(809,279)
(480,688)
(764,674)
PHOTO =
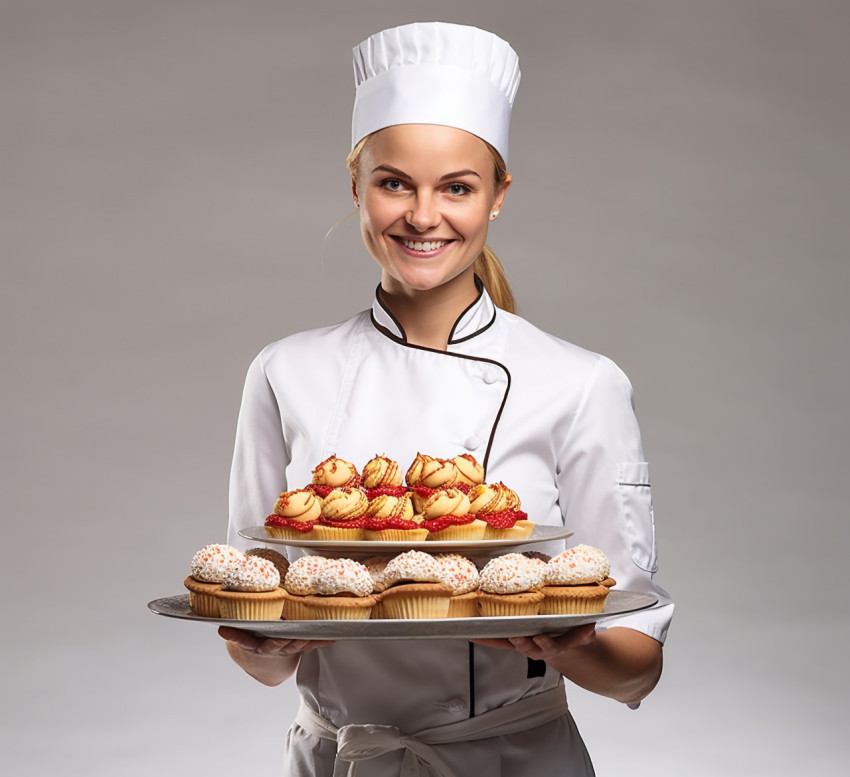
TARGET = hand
(542,647)
(267,646)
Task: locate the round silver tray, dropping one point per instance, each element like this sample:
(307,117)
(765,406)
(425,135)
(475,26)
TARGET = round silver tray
(617,603)
(538,534)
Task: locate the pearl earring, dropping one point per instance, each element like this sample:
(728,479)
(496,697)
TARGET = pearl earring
(494,215)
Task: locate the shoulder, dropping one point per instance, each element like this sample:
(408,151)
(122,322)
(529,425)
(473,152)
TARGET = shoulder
(559,358)
(311,343)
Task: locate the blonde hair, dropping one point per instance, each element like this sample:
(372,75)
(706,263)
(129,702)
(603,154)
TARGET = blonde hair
(487,265)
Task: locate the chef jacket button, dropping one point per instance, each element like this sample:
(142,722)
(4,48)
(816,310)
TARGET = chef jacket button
(490,376)
(472,443)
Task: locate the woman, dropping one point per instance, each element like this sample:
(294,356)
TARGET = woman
(440,365)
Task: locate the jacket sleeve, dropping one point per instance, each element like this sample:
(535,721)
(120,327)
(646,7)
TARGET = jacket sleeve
(260,458)
(604,492)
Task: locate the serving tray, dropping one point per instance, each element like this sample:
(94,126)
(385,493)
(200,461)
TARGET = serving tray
(617,603)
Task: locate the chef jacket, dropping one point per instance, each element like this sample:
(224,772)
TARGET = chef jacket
(553,421)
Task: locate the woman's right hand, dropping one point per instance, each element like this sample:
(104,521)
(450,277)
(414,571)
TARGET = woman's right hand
(268,660)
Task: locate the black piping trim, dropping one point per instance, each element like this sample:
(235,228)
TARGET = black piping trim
(403,338)
(475,334)
(471,680)
(480,286)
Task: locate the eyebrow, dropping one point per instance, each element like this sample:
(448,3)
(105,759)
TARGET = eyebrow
(401,174)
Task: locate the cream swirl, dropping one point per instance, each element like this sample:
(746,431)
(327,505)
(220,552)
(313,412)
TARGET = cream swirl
(470,472)
(299,505)
(344,504)
(381,471)
(391,507)
(449,502)
(336,473)
(486,499)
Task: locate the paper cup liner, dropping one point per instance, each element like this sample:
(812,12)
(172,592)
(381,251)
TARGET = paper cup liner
(335,534)
(251,606)
(573,599)
(464,533)
(464,606)
(327,608)
(202,597)
(416,600)
(395,535)
(501,605)
(520,530)
(287,533)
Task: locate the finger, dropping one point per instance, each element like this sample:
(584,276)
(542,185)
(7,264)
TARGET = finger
(242,639)
(502,644)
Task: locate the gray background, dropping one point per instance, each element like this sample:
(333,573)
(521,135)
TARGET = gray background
(680,203)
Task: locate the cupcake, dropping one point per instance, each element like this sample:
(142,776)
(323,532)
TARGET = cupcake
(390,519)
(498,506)
(382,477)
(414,587)
(510,585)
(469,472)
(343,515)
(334,473)
(295,514)
(445,513)
(251,591)
(319,588)
(206,572)
(377,567)
(430,472)
(577,582)
(462,575)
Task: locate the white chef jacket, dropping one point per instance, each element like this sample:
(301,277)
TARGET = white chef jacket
(551,420)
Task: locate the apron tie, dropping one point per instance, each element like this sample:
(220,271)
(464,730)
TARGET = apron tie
(360,742)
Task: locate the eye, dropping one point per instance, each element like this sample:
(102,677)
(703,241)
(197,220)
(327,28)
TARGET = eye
(392,184)
(458,189)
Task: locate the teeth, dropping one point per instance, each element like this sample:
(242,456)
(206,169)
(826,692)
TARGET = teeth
(417,245)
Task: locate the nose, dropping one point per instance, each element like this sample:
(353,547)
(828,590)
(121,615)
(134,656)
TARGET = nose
(425,214)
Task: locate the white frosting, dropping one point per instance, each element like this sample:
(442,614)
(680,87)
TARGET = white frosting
(316,575)
(512,573)
(412,566)
(578,566)
(253,573)
(211,562)
(459,572)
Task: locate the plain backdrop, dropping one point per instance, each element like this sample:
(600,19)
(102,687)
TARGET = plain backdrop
(680,203)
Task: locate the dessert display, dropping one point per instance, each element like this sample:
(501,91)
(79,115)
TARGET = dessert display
(206,573)
(295,514)
(250,590)
(577,581)
(510,585)
(319,588)
(412,586)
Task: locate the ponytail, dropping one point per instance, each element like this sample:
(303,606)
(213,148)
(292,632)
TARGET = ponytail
(488,267)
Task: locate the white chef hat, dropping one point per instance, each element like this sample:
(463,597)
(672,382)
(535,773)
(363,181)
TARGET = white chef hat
(436,73)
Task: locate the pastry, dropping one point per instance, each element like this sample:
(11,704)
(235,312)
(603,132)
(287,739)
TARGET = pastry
(577,581)
(498,506)
(319,588)
(382,477)
(334,473)
(445,513)
(469,472)
(343,515)
(390,519)
(206,572)
(510,585)
(414,587)
(251,590)
(462,575)
(295,514)
(431,472)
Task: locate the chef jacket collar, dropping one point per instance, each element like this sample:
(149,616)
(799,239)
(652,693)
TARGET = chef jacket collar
(479,316)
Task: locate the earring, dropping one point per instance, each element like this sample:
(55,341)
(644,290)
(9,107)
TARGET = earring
(356,203)
(494,215)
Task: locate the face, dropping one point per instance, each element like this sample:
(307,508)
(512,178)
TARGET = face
(426,193)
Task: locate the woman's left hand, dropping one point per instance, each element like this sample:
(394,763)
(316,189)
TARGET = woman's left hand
(542,647)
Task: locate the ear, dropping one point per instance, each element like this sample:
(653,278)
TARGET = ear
(354,195)
(503,190)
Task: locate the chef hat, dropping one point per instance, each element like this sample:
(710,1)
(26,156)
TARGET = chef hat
(436,73)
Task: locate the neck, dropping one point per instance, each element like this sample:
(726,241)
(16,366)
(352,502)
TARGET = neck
(427,317)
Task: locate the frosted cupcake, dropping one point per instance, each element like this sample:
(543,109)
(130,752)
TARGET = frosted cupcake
(445,513)
(281,562)
(319,588)
(334,473)
(382,477)
(430,472)
(510,585)
(469,472)
(251,591)
(462,575)
(577,582)
(295,514)
(206,573)
(414,587)
(343,515)
(498,506)
(390,519)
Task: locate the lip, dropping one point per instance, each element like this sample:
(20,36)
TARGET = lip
(398,239)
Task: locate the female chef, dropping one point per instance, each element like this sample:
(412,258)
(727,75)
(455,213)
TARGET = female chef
(440,365)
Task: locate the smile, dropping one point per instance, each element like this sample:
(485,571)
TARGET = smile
(422,245)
